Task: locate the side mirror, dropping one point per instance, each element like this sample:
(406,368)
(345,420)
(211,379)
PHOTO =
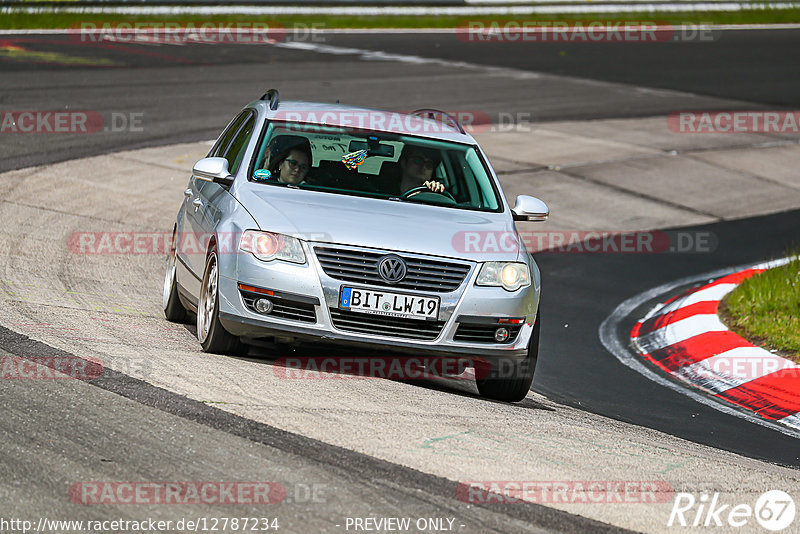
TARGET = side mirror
(530,209)
(213,170)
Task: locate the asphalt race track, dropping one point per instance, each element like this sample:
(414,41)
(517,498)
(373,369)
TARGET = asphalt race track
(168,412)
(204,85)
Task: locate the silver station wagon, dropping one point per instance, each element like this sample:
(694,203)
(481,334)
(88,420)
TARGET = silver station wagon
(374,229)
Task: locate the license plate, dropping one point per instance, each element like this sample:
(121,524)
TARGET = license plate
(391,304)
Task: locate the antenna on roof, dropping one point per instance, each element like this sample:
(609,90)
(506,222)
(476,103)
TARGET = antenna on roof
(273,97)
(436,114)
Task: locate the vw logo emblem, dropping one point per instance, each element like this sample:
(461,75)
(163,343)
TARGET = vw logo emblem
(392,268)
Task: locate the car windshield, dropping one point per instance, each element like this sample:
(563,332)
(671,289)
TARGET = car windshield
(374,164)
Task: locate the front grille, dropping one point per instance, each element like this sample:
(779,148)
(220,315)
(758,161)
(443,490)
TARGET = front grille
(361,267)
(478,333)
(283,308)
(381,325)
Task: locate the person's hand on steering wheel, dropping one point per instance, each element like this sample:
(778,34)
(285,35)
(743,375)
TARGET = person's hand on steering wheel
(428,189)
(433,185)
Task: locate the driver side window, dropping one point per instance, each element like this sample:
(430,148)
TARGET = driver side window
(232,143)
(225,139)
(238,146)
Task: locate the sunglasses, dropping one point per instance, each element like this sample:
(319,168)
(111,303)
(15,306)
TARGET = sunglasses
(428,163)
(294,164)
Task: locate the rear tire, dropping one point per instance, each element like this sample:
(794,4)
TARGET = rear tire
(212,335)
(507,380)
(173,309)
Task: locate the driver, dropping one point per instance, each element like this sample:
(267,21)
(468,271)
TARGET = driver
(417,165)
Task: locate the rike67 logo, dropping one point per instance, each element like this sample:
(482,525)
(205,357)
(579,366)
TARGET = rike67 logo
(773,510)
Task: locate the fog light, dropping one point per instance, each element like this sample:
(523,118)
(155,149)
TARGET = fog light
(265,306)
(501,334)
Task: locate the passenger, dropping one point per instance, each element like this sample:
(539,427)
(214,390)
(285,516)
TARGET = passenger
(291,167)
(287,159)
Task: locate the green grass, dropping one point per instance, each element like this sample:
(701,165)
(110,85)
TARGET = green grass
(17,20)
(765,309)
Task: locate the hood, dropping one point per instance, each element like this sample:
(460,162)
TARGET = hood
(381,224)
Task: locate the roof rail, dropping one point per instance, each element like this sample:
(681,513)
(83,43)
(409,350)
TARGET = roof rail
(273,97)
(429,113)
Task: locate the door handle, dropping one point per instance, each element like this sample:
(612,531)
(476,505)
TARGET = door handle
(197,203)
(187,193)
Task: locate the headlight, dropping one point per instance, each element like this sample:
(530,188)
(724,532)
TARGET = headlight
(267,246)
(511,276)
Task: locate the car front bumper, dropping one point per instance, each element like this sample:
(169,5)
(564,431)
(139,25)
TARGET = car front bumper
(476,305)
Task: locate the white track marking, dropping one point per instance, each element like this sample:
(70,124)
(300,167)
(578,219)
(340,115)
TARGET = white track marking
(715,292)
(680,331)
(792,420)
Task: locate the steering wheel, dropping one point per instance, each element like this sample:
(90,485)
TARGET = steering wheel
(424,189)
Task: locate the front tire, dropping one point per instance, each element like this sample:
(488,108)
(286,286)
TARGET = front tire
(507,380)
(212,335)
